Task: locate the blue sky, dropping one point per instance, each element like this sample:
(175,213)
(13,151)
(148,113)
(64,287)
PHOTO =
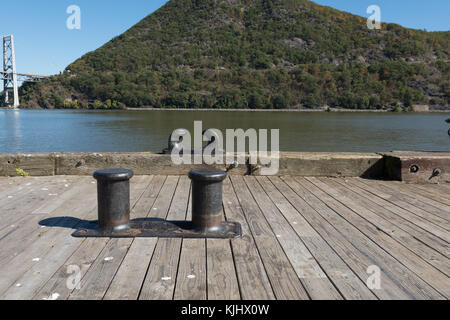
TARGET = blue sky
(44,45)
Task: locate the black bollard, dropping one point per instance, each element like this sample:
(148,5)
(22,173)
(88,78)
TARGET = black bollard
(207,212)
(113,193)
(113,188)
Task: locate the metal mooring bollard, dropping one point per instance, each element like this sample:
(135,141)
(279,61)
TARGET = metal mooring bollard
(113,192)
(207,212)
(113,188)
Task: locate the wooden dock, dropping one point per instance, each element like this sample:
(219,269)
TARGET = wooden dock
(304,238)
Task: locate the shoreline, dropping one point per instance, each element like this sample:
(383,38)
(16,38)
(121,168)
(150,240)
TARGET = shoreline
(253,110)
(339,110)
(336,110)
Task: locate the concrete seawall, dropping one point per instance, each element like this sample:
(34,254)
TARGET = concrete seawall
(301,164)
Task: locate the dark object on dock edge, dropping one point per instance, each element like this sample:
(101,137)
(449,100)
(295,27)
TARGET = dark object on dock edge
(176,143)
(113,189)
(448,121)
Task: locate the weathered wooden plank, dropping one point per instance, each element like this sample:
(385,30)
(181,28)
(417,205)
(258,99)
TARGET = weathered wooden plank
(127,282)
(191,276)
(24,205)
(222,280)
(144,205)
(160,280)
(427,221)
(27,230)
(441,220)
(189,208)
(126,285)
(283,278)
(228,270)
(438,260)
(412,236)
(345,233)
(444,188)
(403,191)
(37,256)
(252,277)
(17,217)
(26,286)
(165,199)
(222,283)
(66,191)
(16,186)
(308,270)
(93,287)
(96,281)
(36,164)
(394,225)
(191,282)
(439,190)
(414,202)
(345,280)
(12,184)
(427,272)
(159,283)
(57,288)
(51,263)
(98,277)
(411,200)
(431,192)
(20,189)
(84,256)
(22,236)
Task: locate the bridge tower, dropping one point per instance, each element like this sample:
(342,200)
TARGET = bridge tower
(10,74)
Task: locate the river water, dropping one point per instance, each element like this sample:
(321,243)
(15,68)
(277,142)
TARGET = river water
(25,131)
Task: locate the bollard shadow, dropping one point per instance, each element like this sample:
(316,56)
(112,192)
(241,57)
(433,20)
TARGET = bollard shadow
(68,223)
(143,228)
(76,223)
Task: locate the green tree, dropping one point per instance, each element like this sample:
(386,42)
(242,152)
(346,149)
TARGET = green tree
(279,102)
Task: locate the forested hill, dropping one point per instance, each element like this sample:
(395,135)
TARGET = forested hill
(254,54)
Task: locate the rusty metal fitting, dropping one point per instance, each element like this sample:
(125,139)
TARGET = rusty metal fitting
(414,168)
(436,172)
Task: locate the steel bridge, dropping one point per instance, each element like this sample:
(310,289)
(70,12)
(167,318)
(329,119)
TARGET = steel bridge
(10,77)
(23,77)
